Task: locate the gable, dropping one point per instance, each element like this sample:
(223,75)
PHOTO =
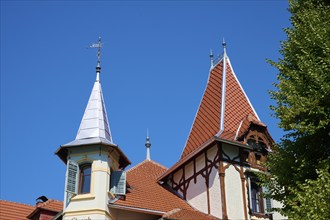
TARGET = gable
(223,99)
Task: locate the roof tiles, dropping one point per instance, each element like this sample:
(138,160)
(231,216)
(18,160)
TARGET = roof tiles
(181,214)
(14,210)
(147,194)
(207,121)
(52,205)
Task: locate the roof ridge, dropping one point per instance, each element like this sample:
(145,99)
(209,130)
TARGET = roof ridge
(49,201)
(158,164)
(19,203)
(146,161)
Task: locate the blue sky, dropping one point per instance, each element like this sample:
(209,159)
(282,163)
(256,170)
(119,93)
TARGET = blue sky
(155,63)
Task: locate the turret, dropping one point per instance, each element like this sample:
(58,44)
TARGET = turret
(92,160)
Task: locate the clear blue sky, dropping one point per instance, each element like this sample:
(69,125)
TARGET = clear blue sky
(155,64)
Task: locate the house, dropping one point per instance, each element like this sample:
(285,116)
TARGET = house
(215,177)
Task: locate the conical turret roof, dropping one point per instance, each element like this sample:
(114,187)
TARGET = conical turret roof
(94,126)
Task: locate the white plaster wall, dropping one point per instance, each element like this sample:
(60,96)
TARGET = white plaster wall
(234,197)
(197,195)
(212,153)
(177,176)
(189,169)
(215,194)
(196,192)
(200,162)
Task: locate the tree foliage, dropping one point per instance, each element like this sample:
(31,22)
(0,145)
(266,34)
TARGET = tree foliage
(302,98)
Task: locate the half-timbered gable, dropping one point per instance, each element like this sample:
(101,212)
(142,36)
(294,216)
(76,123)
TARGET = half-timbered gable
(226,145)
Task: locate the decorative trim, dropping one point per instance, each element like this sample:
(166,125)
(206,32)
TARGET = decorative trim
(207,182)
(101,169)
(223,95)
(247,98)
(88,196)
(94,211)
(149,211)
(221,171)
(243,179)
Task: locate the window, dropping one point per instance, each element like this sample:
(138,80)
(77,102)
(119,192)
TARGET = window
(256,200)
(85,179)
(257,145)
(259,206)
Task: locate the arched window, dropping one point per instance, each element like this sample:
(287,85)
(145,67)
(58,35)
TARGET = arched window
(85,179)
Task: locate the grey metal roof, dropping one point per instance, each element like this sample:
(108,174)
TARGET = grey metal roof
(88,141)
(95,121)
(94,126)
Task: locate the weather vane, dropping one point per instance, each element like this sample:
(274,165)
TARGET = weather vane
(98,45)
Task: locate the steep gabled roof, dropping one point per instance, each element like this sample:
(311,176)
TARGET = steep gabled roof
(14,210)
(147,195)
(224,104)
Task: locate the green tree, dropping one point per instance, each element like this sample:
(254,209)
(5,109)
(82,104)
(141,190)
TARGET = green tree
(302,98)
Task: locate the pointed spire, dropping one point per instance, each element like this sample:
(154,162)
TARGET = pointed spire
(211,59)
(148,145)
(98,45)
(224,45)
(94,126)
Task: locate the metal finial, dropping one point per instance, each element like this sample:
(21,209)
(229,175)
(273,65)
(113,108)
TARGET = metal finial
(98,45)
(211,58)
(148,145)
(224,44)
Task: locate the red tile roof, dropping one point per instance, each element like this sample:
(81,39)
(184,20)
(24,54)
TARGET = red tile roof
(147,194)
(50,205)
(14,210)
(181,214)
(207,120)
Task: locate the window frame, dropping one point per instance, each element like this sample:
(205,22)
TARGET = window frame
(262,210)
(256,198)
(82,178)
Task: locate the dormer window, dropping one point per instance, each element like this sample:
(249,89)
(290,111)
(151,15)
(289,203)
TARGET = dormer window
(85,178)
(256,144)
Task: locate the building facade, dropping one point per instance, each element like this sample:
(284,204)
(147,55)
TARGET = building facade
(215,177)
